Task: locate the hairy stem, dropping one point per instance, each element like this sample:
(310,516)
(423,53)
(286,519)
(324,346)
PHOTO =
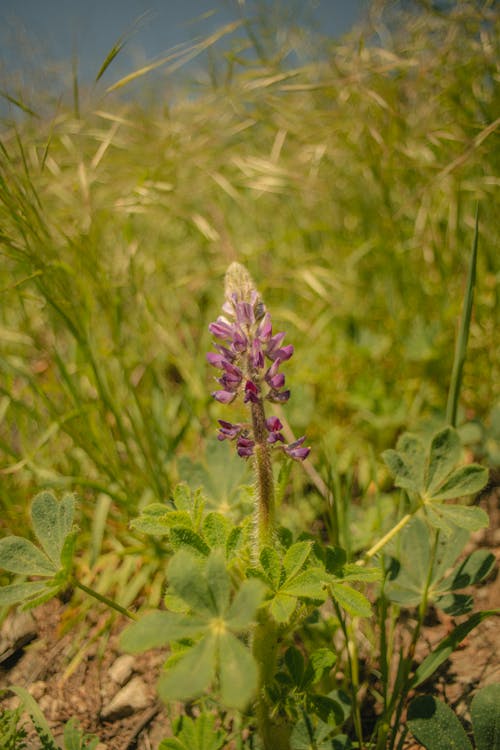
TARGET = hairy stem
(264,480)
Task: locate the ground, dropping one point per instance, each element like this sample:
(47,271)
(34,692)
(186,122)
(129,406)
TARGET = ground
(81,678)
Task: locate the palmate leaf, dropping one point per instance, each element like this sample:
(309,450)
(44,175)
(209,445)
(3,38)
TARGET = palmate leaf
(195,734)
(241,612)
(157,519)
(186,576)
(282,607)
(407,463)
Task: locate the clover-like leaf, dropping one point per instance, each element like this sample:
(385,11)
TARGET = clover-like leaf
(464,481)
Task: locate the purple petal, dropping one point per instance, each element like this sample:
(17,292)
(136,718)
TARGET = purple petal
(225,397)
(222,329)
(215,359)
(251,392)
(278,397)
(273,344)
(296,450)
(265,329)
(244,447)
(283,354)
(244,313)
(256,355)
(273,424)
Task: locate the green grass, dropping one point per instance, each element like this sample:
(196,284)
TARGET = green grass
(346,181)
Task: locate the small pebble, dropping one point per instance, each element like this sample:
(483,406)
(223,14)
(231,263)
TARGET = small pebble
(133,697)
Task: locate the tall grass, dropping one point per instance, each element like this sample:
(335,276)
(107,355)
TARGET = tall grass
(345,175)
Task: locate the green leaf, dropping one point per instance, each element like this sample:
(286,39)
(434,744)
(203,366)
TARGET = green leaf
(335,559)
(282,607)
(183,538)
(157,519)
(351,600)
(455,604)
(327,709)
(235,541)
(218,580)
(310,584)
(237,672)
(215,529)
(447,646)
(407,463)
(52,522)
(467,480)
(186,575)
(353,572)
(18,555)
(466,517)
(192,674)
(435,725)
(198,734)
(271,564)
(295,557)
(21,592)
(157,629)
(444,455)
(241,613)
(320,660)
(485,715)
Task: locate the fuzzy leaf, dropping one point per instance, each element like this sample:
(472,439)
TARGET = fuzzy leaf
(218,580)
(351,600)
(435,725)
(295,664)
(21,592)
(182,538)
(464,481)
(444,455)
(310,584)
(157,629)
(242,611)
(407,463)
(186,575)
(215,529)
(485,715)
(295,557)
(52,522)
(19,555)
(465,516)
(192,674)
(271,564)
(238,671)
(282,607)
(157,519)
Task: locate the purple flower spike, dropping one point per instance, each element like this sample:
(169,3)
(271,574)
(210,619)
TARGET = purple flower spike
(296,451)
(248,357)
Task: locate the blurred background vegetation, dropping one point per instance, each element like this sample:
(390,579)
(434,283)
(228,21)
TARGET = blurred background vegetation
(345,174)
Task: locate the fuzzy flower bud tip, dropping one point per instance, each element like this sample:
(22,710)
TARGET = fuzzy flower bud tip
(249,356)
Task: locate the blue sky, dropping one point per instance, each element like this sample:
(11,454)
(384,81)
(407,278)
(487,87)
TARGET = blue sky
(35,31)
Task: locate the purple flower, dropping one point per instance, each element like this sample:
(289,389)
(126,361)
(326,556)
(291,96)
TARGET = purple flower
(228,431)
(248,357)
(296,451)
(244,447)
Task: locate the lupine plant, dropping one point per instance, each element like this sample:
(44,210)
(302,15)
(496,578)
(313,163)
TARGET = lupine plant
(260,626)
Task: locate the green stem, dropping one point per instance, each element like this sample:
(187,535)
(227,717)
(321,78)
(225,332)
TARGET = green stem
(104,600)
(387,537)
(352,662)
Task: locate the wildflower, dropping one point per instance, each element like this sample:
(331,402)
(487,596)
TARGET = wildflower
(249,357)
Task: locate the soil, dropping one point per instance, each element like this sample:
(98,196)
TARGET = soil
(73,673)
